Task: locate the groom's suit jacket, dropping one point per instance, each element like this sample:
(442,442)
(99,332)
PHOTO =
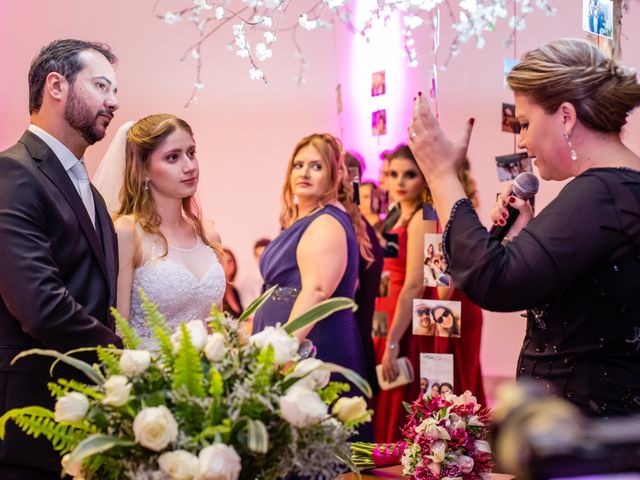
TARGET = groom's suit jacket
(57,283)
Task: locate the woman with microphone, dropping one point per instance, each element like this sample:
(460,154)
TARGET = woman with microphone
(575,267)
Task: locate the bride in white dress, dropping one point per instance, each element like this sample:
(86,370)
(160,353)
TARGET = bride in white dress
(165,248)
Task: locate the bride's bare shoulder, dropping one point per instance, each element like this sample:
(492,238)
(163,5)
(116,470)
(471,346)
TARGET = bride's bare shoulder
(211,232)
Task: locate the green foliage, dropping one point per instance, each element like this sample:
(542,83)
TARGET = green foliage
(319,312)
(64,386)
(256,304)
(158,326)
(331,392)
(94,444)
(187,367)
(265,365)
(84,367)
(36,421)
(216,383)
(130,338)
(110,359)
(216,319)
(350,375)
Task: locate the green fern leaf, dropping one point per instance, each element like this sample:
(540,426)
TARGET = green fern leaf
(216,383)
(187,367)
(87,390)
(130,338)
(56,390)
(36,421)
(110,359)
(158,326)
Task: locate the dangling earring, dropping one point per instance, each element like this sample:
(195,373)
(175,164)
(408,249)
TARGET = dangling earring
(295,199)
(146,183)
(572,151)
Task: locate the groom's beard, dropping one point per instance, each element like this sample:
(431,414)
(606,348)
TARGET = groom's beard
(79,116)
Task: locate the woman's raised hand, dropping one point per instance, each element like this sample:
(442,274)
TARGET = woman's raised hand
(434,151)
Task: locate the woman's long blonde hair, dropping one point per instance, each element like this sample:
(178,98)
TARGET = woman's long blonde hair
(340,188)
(143,139)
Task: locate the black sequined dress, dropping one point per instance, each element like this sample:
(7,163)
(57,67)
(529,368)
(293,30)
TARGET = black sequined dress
(575,268)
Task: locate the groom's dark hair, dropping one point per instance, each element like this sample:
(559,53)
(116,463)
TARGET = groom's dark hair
(60,56)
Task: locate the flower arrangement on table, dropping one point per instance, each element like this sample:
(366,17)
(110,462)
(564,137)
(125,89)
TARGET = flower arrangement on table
(444,438)
(209,404)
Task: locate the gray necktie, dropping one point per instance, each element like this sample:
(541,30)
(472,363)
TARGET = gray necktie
(80,171)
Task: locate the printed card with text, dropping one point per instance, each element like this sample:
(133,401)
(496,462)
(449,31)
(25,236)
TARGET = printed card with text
(436,373)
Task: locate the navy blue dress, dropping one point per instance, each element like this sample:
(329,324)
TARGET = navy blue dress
(336,338)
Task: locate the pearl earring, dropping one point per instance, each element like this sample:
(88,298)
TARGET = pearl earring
(572,151)
(146,183)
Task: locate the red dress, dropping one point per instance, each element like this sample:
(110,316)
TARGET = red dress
(389,413)
(467,374)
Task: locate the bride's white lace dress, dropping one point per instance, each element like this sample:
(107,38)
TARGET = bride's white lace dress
(184,283)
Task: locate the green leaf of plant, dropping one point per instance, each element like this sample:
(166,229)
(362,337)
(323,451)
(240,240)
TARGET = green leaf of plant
(318,312)
(158,325)
(17,412)
(348,461)
(256,304)
(96,444)
(187,368)
(84,367)
(350,375)
(257,436)
(130,337)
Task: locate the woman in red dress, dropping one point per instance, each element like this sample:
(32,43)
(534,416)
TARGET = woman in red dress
(467,374)
(407,185)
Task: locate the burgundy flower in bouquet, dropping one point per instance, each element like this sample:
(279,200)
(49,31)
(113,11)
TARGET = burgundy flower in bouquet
(444,438)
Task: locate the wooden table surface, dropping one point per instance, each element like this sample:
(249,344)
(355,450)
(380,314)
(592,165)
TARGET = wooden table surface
(395,472)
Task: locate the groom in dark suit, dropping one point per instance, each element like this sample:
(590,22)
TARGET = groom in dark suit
(58,252)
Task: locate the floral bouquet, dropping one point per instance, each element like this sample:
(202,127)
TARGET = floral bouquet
(444,439)
(207,404)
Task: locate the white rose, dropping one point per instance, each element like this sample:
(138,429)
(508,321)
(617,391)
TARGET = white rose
(72,469)
(179,464)
(134,362)
(315,378)
(284,345)
(155,428)
(71,408)
(197,332)
(348,409)
(302,407)
(465,463)
(117,390)
(483,446)
(214,349)
(218,462)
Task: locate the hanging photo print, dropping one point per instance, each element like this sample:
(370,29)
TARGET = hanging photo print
(435,264)
(509,122)
(439,318)
(597,17)
(378,83)
(436,373)
(379,123)
(512,165)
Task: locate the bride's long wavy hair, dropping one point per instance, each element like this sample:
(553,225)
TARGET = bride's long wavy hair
(340,188)
(143,139)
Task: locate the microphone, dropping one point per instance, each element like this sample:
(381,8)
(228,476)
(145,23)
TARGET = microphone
(525,186)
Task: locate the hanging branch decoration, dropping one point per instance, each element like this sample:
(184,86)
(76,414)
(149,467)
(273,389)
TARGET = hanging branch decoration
(256,24)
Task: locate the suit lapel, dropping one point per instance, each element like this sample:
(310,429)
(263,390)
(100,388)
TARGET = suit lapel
(108,243)
(52,168)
